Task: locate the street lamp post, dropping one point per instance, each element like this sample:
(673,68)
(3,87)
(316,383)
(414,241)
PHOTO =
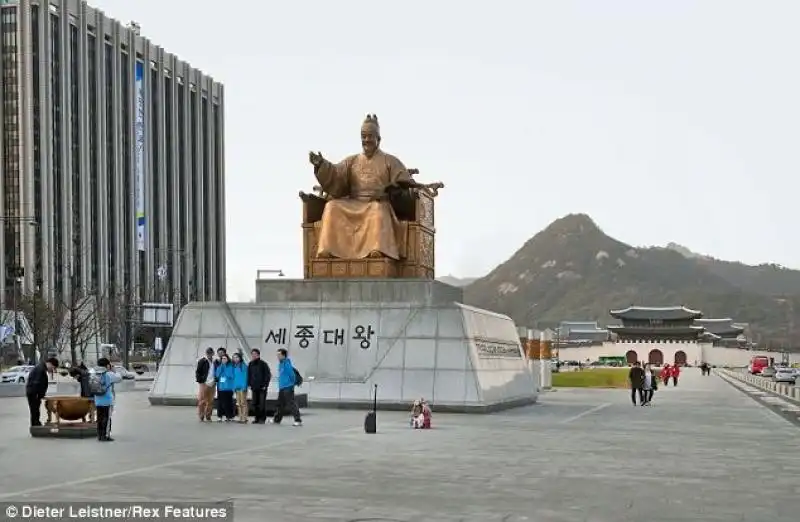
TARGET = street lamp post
(17,272)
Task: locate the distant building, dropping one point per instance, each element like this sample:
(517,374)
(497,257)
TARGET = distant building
(657,324)
(723,332)
(112,157)
(581,332)
(661,335)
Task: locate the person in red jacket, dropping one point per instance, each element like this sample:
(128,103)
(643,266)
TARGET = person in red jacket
(665,374)
(675,372)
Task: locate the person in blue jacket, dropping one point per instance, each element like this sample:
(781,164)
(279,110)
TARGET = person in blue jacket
(287,380)
(105,379)
(240,386)
(225,376)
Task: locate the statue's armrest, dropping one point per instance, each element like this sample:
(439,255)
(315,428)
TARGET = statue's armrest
(313,206)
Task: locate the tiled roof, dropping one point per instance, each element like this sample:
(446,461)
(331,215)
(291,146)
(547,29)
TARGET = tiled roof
(589,335)
(656,312)
(724,327)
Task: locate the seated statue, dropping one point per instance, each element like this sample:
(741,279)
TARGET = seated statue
(358,220)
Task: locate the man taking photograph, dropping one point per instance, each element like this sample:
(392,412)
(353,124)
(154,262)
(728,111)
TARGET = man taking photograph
(36,388)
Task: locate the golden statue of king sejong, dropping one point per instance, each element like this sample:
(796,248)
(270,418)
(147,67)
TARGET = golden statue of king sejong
(358,220)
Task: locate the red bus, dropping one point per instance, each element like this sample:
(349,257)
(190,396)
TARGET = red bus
(758,363)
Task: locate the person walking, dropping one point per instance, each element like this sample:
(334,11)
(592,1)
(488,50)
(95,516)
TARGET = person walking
(650,384)
(287,380)
(225,386)
(206,383)
(636,378)
(665,374)
(36,388)
(101,384)
(240,387)
(675,373)
(258,377)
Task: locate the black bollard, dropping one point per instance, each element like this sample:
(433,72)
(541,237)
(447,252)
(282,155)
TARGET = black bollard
(371,421)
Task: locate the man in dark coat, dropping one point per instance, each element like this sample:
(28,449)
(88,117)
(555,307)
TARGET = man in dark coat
(636,378)
(36,388)
(81,374)
(258,377)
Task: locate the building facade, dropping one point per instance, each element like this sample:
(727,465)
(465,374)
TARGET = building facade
(112,157)
(669,335)
(668,323)
(580,332)
(723,332)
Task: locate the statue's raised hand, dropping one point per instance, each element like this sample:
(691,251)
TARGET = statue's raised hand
(315,158)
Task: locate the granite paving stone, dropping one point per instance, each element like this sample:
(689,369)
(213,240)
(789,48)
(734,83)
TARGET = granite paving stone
(703,451)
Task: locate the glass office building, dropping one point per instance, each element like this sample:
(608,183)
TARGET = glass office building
(112,155)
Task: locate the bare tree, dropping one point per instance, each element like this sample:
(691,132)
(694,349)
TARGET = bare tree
(83,320)
(46,324)
(119,308)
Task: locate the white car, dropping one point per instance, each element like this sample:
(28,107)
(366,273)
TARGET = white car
(787,375)
(17,374)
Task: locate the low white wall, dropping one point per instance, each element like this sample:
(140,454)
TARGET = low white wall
(696,353)
(723,356)
(643,351)
(785,390)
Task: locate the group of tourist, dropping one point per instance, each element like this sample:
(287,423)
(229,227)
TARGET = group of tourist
(230,377)
(670,372)
(644,381)
(96,385)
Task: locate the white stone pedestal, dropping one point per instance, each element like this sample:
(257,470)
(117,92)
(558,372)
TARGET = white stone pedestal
(417,343)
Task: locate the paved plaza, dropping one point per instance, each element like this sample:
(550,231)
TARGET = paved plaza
(704,451)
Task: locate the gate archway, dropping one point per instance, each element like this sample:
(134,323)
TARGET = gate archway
(656,357)
(631,356)
(680,358)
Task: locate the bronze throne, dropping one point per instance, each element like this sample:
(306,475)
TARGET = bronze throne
(413,208)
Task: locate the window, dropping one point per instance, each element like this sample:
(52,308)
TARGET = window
(181,200)
(94,194)
(57,172)
(169,140)
(128,221)
(219,207)
(37,129)
(157,175)
(205,203)
(195,177)
(77,246)
(112,210)
(10,136)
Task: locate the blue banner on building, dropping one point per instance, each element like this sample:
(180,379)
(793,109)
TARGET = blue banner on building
(139,159)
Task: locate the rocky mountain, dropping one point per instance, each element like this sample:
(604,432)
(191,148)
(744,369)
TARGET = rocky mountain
(573,271)
(685,252)
(766,278)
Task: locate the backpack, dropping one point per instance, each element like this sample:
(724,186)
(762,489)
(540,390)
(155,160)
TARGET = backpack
(298,379)
(97,385)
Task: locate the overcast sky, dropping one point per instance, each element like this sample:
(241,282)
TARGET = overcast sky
(664,121)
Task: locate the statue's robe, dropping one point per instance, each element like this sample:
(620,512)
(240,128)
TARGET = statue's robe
(359,221)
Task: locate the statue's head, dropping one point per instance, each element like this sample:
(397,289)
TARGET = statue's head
(370,134)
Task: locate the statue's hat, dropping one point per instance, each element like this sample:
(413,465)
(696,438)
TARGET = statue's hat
(371,123)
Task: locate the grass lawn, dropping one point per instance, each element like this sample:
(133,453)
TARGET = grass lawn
(592,378)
